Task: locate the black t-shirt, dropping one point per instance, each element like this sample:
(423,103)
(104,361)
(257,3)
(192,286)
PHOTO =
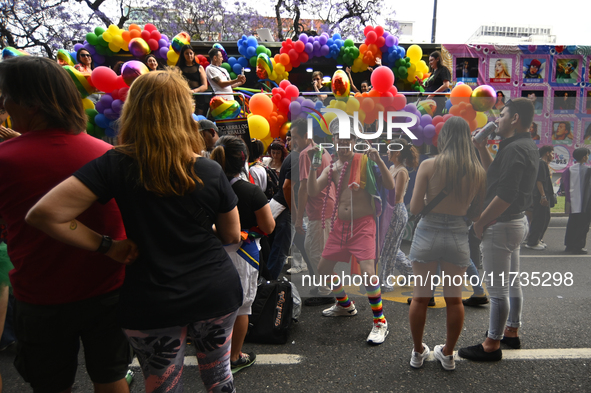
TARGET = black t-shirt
(183,273)
(546,180)
(250,199)
(436,80)
(513,173)
(290,169)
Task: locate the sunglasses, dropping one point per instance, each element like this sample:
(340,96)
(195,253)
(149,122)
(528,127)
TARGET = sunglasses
(85,55)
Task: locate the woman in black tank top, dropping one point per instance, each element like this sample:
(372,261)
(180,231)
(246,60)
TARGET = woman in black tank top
(194,73)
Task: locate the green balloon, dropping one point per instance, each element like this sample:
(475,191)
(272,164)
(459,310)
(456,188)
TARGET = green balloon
(90,128)
(98,31)
(232,75)
(340,59)
(349,42)
(98,132)
(227,67)
(101,41)
(261,49)
(403,72)
(355,52)
(91,113)
(101,50)
(92,39)
(268,52)
(253,61)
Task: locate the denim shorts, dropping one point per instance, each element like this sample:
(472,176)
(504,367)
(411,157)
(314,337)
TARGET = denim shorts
(441,237)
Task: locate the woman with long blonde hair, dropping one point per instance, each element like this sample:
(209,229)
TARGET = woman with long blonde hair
(169,198)
(501,69)
(441,237)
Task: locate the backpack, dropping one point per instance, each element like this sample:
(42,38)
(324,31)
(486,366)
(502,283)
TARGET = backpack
(272,181)
(272,312)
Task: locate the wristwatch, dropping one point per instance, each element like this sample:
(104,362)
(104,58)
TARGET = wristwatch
(105,244)
(544,197)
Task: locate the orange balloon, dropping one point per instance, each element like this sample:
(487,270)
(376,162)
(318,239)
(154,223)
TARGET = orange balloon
(455,110)
(133,26)
(373,93)
(373,48)
(288,67)
(275,132)
(461,93)
(362,48)
(126,36)
(284,130)
(473,125)
(135,33)
(284,59)
(261,104)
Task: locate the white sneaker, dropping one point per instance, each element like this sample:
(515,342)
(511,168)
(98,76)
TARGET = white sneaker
(447,362)
(303,268)
(294,270)
(339,311)
(416,359)
(378,333)
(537,247)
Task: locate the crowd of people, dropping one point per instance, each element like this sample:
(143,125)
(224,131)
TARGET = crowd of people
(145,234)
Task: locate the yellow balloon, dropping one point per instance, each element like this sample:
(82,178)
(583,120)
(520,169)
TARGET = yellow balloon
(341,105)
(107,36)
(481,119)
(415,53)
(114,47)
(258,127)
(87,104)
(267,141)
(328,117)
(112,29)
(352,106)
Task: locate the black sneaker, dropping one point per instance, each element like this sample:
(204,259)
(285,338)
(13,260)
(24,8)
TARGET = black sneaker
(245,360)
(431,301)
(477,353)
(475,301)
(513,342)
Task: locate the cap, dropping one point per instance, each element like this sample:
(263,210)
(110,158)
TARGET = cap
(535,63)
(208,125)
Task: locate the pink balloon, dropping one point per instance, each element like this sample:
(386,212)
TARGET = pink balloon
(284,84)
(104,79)
(292,91)
(382,79)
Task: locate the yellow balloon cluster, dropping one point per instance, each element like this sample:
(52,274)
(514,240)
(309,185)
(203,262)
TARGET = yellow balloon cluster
(358,64)
(418,68)
(349,106)
(114,36)
(279,72)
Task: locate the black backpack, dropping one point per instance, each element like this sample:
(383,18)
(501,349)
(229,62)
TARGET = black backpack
(272,181)
(272,313)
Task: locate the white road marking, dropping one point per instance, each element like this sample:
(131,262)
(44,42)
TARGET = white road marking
(272,359)
(554,256)
(535,354)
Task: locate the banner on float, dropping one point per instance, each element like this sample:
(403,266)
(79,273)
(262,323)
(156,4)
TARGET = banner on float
(555,78)
(237,127)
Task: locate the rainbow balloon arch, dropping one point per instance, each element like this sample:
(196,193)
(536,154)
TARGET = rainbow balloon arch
(270,112)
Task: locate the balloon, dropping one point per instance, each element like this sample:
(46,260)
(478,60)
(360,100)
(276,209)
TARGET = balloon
(261,104)
(104,79)
(132,70)
(481,119)
(87,104)
(180,40)
(258,127)
(460,93)
(341,87)
(382,79)
(415,53)
(371,37)
(284,130)
(117,106)
(138,47)
(429,131)
(222,109)
(153,44)
(483,98)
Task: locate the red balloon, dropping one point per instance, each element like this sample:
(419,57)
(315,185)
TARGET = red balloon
(399,101)
(284,84)
(292,91)
(437,119)
(379,30)
(445,117)
(145,35)
(123,93)
(303,57)
(382,79)
(381,41)
(120,83)
(153,44)
(371,37)
(367,30)
(104,79)
(150,27)
(115,94)
(393,90)
(295,64)
(293,55)
(284,105)
(299,46)
(155,35)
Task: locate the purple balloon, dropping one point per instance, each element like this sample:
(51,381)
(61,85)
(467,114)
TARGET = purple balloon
(165,37)
(308,104)
(90,49)
(304,38)
(419,141)
(295,108)
(98,59)
(106,100)
(117,106)
(163,52)
(77,47)
(300,99)
(162,43)
(322,40)
(386,34)
(324,50)
(395,40)
(317,46)
(100,108)
(429,131)
(309,48)
(390,40)
(110,114)
(426,120)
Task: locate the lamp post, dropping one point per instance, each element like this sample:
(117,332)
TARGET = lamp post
(434,22)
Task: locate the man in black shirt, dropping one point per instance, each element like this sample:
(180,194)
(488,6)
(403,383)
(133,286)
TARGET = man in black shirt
(503,226)
(543,200)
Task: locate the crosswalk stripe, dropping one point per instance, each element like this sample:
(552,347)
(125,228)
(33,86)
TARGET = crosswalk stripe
(270,359)
(535,354)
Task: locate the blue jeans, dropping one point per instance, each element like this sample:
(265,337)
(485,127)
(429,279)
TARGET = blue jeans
(500,255)
(284,232)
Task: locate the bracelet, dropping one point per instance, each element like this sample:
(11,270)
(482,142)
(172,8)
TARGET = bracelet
(106,244)
(544,197)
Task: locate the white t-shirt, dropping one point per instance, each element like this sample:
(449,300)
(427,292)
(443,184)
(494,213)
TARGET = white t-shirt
(213,72)
(259,175)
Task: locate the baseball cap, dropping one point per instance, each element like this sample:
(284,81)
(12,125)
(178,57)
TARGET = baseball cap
(208,125)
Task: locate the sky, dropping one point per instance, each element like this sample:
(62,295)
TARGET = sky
(457,20)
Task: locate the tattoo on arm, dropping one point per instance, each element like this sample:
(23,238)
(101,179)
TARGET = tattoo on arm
(73,225)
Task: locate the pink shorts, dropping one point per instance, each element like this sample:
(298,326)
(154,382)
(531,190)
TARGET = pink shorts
(341,244)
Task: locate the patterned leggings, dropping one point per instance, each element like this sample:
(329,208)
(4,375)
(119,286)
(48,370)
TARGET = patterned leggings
(392,257)
(161,353)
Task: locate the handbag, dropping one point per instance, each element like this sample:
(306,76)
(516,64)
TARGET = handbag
(415,218)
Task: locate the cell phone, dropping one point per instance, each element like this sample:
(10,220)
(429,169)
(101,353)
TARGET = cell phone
(242,72)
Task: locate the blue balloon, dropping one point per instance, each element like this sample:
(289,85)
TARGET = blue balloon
(330,42)
(237,68)
(232,61)
(336,36)
(111,133)
(251,41)
(242,50)
(448,105)
(201,117)
(243,61)
(101,121)
(251,51)
(318,105)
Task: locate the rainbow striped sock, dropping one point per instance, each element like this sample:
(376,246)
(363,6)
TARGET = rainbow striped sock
(374,295)
(341,295)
